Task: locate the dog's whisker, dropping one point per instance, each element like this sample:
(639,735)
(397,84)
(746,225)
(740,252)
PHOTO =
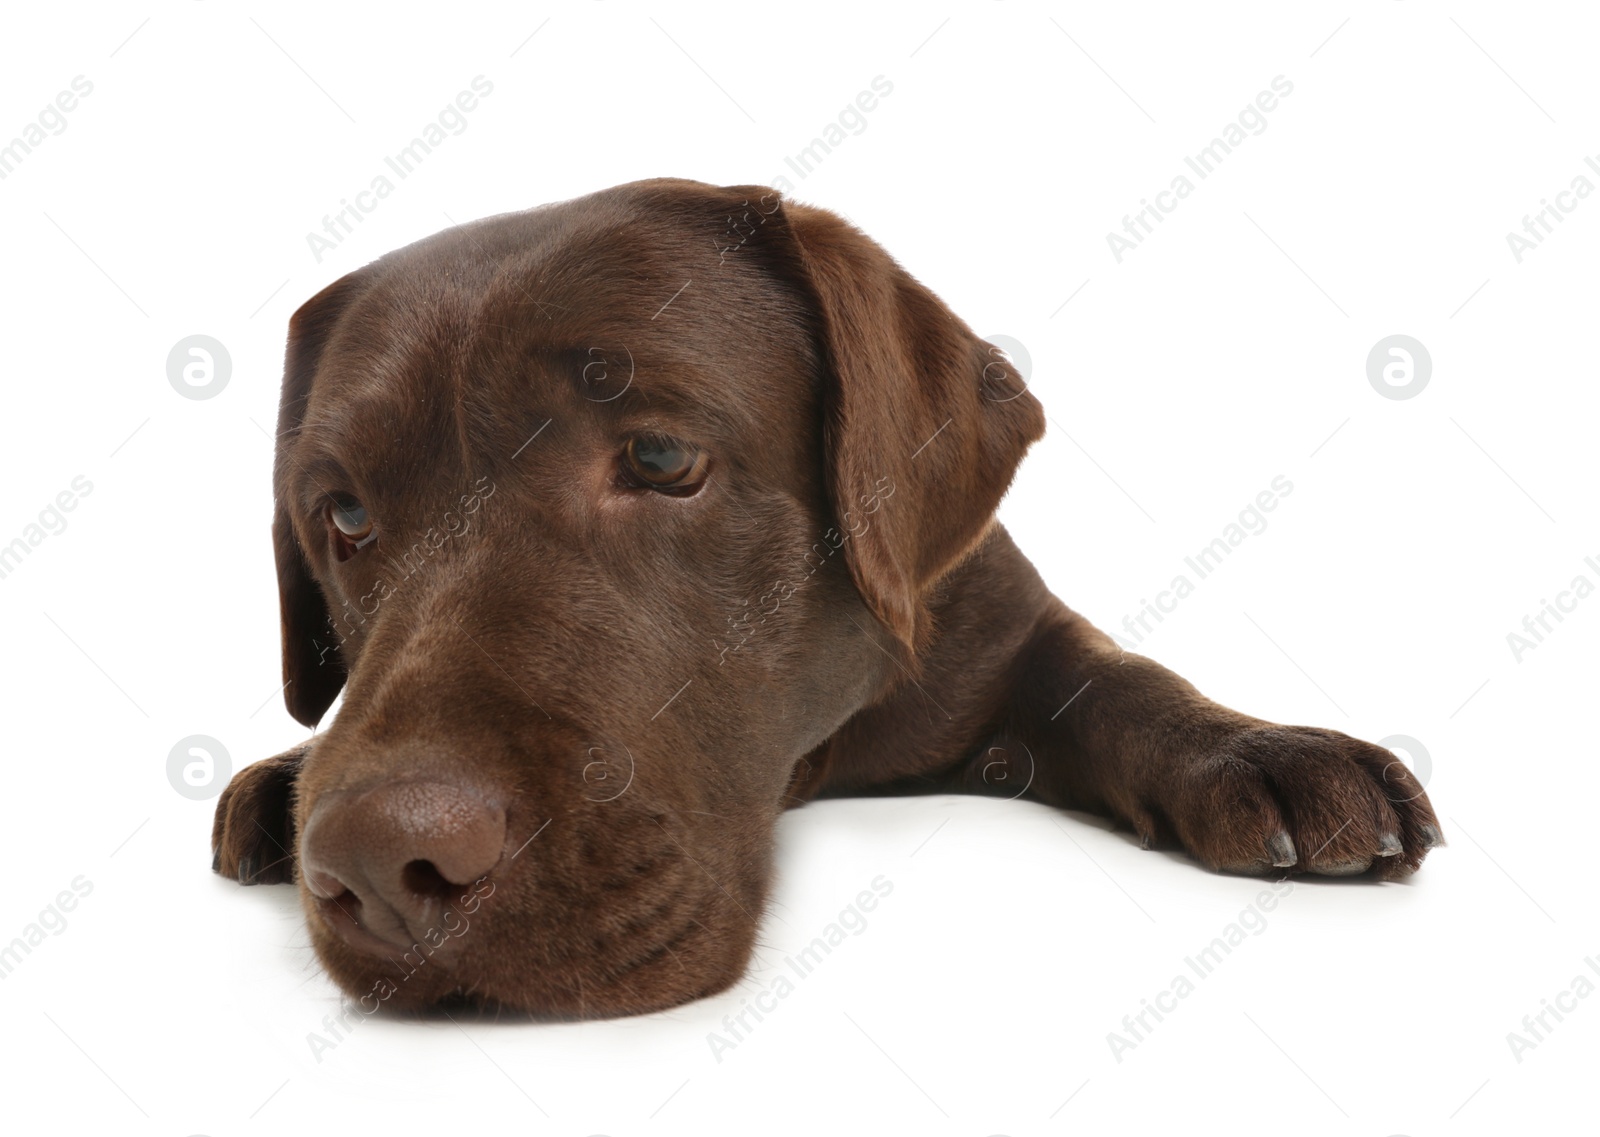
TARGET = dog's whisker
(270,837)
(710,877)
(693,812)
(273,864)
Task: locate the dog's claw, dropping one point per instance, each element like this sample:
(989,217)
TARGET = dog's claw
(1431,837)
(1389,845)
(1280,846)
(247,873)
(216,859)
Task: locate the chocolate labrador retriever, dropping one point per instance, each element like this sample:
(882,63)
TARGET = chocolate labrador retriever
(626,524)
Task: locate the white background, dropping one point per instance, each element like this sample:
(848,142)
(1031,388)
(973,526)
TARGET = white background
(1229,348)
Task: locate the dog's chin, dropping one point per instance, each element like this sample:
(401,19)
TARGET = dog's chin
(661,967)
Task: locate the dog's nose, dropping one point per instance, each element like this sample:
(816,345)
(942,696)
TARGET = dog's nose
(388,864)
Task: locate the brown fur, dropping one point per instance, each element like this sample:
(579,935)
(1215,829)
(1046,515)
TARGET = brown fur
(635,684)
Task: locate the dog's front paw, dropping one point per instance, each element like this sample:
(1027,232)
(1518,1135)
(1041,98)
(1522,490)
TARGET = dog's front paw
(1300,799)
(252,836)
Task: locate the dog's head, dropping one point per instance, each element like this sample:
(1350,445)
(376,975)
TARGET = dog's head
(605,516)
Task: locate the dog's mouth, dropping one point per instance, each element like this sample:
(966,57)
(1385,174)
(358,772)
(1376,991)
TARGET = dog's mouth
(604,921)
(625,991)
(674,962)
(382,934)
(342,914)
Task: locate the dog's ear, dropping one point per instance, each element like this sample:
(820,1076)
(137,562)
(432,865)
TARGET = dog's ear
(313,668)
(925,422)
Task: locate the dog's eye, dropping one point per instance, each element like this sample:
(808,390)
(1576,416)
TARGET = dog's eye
(349,516)
(664,463)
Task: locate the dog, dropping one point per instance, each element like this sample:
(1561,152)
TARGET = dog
(627,523)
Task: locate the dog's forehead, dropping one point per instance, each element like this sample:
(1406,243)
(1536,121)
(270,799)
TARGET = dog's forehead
(602,296)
